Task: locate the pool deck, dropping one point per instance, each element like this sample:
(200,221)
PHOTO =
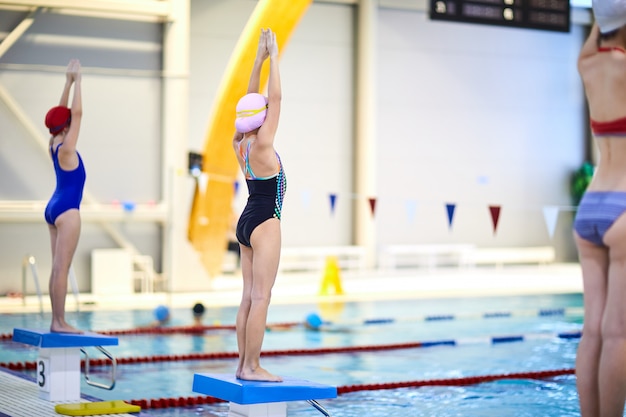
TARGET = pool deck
(19,397)
(357,285)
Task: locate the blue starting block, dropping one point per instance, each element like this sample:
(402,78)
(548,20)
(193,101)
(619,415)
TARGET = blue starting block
(261,399)
(58,365)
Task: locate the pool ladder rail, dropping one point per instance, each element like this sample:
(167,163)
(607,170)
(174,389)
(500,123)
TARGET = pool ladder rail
(30,263)
(113,369)
(319,407)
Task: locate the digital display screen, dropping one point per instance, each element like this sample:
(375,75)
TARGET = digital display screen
(531,14)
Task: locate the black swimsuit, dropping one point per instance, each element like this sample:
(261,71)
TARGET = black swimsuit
(265,199)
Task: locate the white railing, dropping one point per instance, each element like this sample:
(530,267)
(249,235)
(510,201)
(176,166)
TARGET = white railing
(29,263)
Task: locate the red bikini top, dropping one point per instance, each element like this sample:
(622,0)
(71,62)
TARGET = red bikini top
(611,128)
(615,127)
(611,48)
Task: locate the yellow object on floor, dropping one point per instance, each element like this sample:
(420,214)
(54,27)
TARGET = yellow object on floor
(331,278)
(97,408)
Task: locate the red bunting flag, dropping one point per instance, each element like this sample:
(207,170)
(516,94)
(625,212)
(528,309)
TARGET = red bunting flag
(372,202)
(495,216)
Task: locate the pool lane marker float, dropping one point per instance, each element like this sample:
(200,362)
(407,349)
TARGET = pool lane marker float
(492,340)
(194,330)
(157,403)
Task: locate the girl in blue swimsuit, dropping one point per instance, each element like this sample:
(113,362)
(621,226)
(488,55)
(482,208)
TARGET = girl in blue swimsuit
(258,229)
(62,213)
(600,224)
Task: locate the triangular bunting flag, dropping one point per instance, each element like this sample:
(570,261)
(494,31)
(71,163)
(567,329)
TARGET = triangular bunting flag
(495,216)
(411,208)
(372,201)
(450,209)
(551,215)
(333,201)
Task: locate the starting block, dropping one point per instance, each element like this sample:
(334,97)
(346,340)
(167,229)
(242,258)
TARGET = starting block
(261,399)
(58,365)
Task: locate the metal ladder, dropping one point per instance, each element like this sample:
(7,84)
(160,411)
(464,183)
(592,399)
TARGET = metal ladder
(319,407)
(113,369)
(29,262)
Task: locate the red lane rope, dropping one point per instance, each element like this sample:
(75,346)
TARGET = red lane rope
(170,330)
(166,330)
(469,380)
(233,355)
(184,329)
(462,381)
(225,355)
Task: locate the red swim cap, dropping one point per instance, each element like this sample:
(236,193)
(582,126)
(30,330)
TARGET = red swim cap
(57,119)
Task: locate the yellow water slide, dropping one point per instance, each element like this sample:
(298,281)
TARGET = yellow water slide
(211,215)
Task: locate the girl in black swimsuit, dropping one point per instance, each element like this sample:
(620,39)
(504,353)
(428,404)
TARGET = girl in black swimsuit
(258,230)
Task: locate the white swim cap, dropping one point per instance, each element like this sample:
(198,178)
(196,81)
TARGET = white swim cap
(610,14)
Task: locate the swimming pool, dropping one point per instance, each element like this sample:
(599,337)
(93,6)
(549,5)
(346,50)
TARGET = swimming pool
(464,346)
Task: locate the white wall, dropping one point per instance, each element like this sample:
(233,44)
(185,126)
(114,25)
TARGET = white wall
(476,116)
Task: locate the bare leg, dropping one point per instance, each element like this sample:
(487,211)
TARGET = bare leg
(266,248)
(244,306)
(612,370)
(64,239)
(594,264)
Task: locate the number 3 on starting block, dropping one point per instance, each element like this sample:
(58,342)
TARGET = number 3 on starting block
(58,374)
(43,374)
(58,364)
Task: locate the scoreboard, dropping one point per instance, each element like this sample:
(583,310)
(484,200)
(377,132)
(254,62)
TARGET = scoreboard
(551,15)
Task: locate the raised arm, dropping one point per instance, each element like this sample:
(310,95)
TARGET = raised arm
(71,137)
(590,47)
(254,84)
(69,80)
(274,93)
(261,55)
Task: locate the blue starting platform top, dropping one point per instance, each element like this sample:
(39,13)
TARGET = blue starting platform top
(48,339)
(229,388)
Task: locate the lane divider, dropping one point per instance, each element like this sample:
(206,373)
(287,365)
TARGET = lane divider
(195,330)
(461,381)
(542,312)
(492,340)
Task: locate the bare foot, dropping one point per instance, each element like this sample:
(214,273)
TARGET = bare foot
(258,374)
(239,368)
(64,328)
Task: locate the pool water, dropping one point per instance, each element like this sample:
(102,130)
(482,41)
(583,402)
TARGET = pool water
(473,355)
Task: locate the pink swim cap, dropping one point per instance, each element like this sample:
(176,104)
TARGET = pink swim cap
(251,111)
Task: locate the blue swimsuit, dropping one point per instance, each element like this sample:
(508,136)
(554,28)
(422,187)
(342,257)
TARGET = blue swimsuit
(265,199)
(597,212)
(69,189)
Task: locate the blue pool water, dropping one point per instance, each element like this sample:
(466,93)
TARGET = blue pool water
(474,356)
